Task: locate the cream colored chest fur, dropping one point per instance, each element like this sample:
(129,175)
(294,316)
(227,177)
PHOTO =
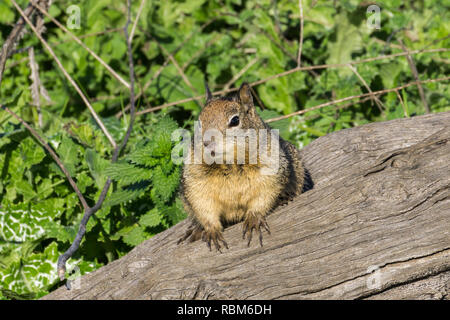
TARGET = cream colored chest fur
(229,192)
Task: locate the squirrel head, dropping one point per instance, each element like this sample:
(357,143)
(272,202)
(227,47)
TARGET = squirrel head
(224,118)
(235,111)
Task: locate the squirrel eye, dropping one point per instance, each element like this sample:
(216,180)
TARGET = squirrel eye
(234,121)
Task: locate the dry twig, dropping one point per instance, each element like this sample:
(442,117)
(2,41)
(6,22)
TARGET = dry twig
(35,84)
(416,76)
(405,112)
(138,15)
(374,98)
(81,43)
(53,155)
(285,73)
(356,97)
(10,42)
(92,210)
(66,74)
(300,41)
(240,73)
(160,70)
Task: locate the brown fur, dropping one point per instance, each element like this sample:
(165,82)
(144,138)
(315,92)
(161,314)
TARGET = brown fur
(219,194)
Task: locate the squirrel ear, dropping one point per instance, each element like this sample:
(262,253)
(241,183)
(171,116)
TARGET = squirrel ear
(208,93)
(245,95)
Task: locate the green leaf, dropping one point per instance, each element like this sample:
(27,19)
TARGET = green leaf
(165,185)
(19,223)
(31,152)
(126,173)
(97,166)
(25,189)
(135,236)
(175,212)
(124,195)
(150,219)
(68,152)
(348,40)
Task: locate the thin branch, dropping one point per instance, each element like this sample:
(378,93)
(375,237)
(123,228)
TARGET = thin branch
(374,98)
(300,41)
(141,7)
(175,63)
(261,104)
(402,103)
(35,84)
(90,211)
(16,63)
(340,65)
(356,97)
(240,73)
(10,42)
(81,43)
(94,34)
(72,82)
(279,45)
(52,153)
(416,76)
(201,51)
(160,70)
(285,73)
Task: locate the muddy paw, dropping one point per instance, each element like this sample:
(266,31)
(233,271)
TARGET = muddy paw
(251,223)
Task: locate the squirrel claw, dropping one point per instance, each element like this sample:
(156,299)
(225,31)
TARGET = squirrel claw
(196,232)
(254,223)
(193,233)
(215,237)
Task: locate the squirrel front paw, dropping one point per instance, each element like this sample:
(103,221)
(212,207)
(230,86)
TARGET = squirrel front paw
(215,237)
(254,222)
(196,232)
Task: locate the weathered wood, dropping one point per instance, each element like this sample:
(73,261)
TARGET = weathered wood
(376,224)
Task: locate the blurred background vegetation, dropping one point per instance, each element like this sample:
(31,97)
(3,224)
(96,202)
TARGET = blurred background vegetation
(176,46)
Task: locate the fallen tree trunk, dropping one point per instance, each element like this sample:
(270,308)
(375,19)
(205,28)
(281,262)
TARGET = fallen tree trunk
(376,224)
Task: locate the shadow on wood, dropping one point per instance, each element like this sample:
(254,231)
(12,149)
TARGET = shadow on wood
(375,225)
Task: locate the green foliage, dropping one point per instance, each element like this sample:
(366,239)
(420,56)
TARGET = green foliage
(39,211)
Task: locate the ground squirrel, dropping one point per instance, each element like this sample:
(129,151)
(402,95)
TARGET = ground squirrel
(218,193)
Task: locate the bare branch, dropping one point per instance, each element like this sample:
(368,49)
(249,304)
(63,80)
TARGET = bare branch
(356,97)
(374,98)
(201,51)
(74,37)
(300,41)
(160,70)
(90,211)
(94,34)
(35,84)
(66,74)
(141,6)
(416,76)
(261,104)
(9,44)
(405,112)
(240,73)
(285,73)
(175,63)
(52,153)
